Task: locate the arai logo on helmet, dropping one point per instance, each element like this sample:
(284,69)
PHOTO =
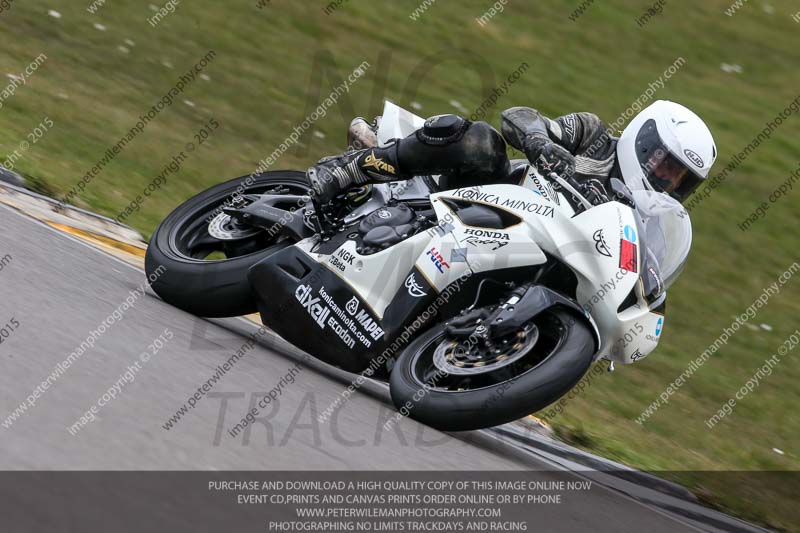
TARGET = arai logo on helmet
(694,158)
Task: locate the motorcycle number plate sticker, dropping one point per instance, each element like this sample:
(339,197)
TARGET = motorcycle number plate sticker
(627,256)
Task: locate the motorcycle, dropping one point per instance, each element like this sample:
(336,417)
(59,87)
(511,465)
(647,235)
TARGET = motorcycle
(479,305)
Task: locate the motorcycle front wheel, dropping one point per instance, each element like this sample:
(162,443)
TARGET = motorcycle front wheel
(191,268)
(462,384)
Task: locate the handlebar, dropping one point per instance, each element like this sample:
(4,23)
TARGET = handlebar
(617,191)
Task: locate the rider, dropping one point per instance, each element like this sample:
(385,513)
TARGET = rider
(665,148)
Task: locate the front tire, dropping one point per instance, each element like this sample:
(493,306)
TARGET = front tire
(552,366)
(179,260)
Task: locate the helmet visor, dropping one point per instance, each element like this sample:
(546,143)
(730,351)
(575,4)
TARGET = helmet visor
(664,171)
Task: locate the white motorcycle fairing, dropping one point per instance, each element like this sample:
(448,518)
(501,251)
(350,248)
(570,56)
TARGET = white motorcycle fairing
(337,301)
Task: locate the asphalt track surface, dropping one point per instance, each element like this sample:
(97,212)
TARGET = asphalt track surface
(58,290)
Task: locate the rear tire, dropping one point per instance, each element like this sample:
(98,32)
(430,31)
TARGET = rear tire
(216,288)
(499,403)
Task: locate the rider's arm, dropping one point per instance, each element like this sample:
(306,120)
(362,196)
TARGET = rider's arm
(551,146)
(580,133)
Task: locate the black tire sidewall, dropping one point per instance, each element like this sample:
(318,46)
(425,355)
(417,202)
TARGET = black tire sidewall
(208,289)
(500,403)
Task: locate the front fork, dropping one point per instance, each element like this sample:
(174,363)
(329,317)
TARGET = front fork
(488,321)
(523,304)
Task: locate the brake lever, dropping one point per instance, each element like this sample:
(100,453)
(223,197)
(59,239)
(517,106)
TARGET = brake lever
(580,203)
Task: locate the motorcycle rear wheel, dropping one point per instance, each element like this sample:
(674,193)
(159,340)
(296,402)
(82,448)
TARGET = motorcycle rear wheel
(194,271)
(558,359)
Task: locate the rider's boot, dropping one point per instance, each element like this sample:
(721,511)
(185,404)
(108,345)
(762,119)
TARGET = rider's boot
(334,175)
(361,134)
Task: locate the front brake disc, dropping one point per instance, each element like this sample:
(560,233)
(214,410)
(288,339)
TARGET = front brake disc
(475,355)
(225,228)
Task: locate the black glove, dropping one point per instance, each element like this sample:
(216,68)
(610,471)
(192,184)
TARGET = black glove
(549,156)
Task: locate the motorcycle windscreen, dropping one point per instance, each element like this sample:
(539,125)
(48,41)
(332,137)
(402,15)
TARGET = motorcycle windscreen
(397,123)
(667,230)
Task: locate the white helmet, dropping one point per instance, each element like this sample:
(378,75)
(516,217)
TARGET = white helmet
(666,148)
